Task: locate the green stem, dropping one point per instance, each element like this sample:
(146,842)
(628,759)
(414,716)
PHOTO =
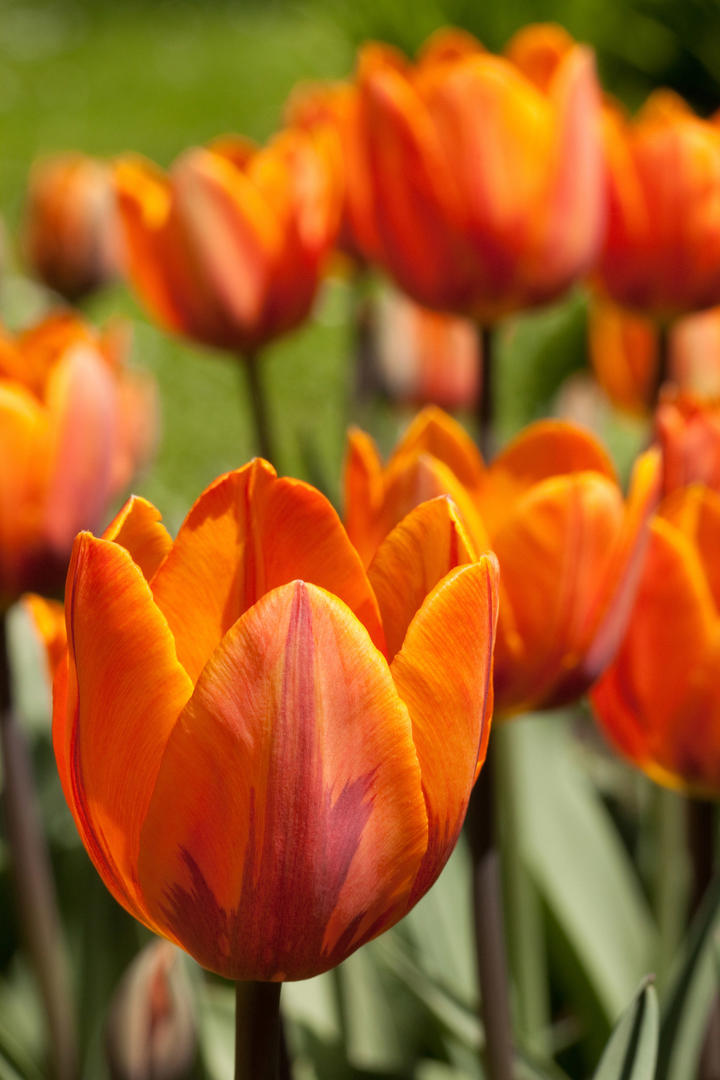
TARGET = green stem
(37,906)
(526,936)
(485,409)
(365,379)
(671,889)
(258,405)
(662,371)
(257,1031)
(489,929)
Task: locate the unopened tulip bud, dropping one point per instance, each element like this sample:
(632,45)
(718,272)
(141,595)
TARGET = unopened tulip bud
(150,1033)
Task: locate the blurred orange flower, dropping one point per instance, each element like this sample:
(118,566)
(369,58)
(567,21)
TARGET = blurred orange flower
(269,752)
(550,507)
(659,701)
(486,170)
(228,247)
(71,235)
(624,349)
(661,253)
(687,429)
(426,357)
(74,424)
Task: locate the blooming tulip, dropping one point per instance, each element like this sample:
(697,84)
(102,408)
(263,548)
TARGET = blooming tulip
(624,349)
(73,426)
(228,247)
(661,253)
(550,507)
(72,239)
(688,431)
(268,752)
(659,701)
(486,173)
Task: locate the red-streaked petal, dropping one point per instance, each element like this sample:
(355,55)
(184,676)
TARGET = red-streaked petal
(413,558)
(115,706)
(450,704)
(288,814)
(247,534)
(139,529)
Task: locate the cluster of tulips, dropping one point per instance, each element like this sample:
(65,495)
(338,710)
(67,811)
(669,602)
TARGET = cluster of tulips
(269,730)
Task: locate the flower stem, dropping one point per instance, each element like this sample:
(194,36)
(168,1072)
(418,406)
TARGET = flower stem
(485,410)
(257,1031)
(258,405)
(37,905)
(662,371)
(489,929)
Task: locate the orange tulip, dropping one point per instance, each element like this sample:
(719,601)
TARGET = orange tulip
(72,238)
(550,507)
(426,356)
(269,752)
(73,426)
(687,429)
(334,109)
(661,253)
(486,172)
(659,701)
(624,349)
(228,247)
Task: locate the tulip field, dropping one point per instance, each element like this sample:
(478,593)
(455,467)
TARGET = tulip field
(359,540)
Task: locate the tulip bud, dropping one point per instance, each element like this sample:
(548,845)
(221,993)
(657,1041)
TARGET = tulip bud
(150,1032)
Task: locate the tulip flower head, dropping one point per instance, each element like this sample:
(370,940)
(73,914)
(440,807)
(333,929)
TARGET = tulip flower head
(687,428)
(72,236)
(74,424)
(486,172)
(228,247)
(624,350)
(267,750)
(549,506)
(661,252)
(659,701)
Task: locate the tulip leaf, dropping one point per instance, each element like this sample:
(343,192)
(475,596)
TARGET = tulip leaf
(571,848)
(631,1053)
(690,994)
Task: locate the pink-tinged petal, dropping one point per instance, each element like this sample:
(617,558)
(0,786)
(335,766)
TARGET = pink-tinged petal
(296,742)
(82,402)
(434,432)
(138,528)
(247,534)
(450,704)
(115,706)
(413,558)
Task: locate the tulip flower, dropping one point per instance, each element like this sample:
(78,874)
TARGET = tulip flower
(426,356)
(486,172)
(228,247)
(549,505)
(687,428)
(73,426)
(661,252)
(268,752)
(625,354)
(659,701)
(72,238)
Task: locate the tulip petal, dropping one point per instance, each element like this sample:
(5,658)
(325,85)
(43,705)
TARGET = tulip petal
(450,705)
(363,491)
(695,511)
(296,752)
(417,554)
(247,534)
(24,462)
(115,705)
(434,432)
(138,528)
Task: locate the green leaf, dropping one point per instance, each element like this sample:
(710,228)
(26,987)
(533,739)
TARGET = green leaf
(632,1051)
(690,994)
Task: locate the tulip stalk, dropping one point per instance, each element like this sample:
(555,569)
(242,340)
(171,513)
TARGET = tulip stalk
(37,906)
(485,403)
(258,406)
(662,371)
(257,1031)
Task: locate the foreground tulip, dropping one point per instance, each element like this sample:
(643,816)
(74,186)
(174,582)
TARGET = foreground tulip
(73,426)
(72,237)
(625,352)
(486,172)
(549,505)
(269,752)
(661,253)
(228,247)
(659,701)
